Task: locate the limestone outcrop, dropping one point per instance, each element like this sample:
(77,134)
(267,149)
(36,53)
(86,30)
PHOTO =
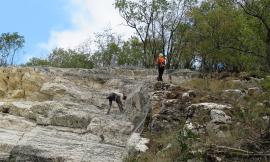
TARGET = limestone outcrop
(53,114)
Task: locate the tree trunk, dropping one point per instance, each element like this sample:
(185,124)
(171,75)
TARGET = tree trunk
(268,49)
(144,56)
(12,57)
(168,61)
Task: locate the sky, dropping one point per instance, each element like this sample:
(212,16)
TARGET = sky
(47,24)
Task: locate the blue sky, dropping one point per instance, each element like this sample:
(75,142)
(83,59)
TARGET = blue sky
(47,24)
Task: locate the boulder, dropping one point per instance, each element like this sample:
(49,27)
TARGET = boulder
(185,96)
(208,106)
(254,91)
(233,93)
(208,118)
(192,93)
(219,116)
(137,143)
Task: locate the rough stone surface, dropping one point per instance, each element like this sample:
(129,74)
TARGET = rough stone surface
(137,143)
(208,106)
(235,93)
(254,91)
(219,116)
(54,115)
(208,118)
(167,107)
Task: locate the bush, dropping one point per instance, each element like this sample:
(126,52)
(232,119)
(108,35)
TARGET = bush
(266,84)
(64,59)
(37,62)
(185,139)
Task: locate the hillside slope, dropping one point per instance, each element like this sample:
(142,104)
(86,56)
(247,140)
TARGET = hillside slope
(53,114)
(221,117)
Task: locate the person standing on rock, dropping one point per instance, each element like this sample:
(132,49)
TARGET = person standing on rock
(118,98)
(161,66)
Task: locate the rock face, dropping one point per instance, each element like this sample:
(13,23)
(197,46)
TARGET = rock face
(171,106)
(52,114)
(167,106)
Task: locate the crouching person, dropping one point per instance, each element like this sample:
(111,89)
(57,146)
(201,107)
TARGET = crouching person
(118,98)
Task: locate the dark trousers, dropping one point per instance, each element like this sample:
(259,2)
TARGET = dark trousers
(160,72)
(114,97)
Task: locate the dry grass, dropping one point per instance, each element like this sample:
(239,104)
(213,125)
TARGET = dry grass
(157,148)
(247,121)
(212,85)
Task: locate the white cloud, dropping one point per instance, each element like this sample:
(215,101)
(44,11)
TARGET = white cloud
(87,17)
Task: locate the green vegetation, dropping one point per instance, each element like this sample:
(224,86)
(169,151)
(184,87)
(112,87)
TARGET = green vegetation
(266,84)
(10,43)
(231,35)
(248,117)
(215,31)
(64,59)
(185,139)
(157,152)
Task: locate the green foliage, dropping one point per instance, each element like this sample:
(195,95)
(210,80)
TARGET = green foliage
(131,53)
(64,59)
(234,33)
(155,23)
(37,62)
(69,59)
(259,12)
(222,35)
(266,84)
(185,139)
(111,49)
(108,44)
(217,31)
(10,43)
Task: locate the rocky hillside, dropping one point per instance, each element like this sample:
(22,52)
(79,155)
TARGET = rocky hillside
(216,118)
(52,114)
(59,115)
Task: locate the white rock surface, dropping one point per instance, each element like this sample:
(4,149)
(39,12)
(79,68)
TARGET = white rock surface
(219,116)
(55,115)
(209,106)
(138,143)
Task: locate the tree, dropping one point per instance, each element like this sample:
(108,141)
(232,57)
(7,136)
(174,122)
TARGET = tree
(260,10)
(155,23)
(37,62)
(69,59)
(184,49)
(221,33)
(139,16)
(131,53)
(10,43)
(60,57)
(171,16)
(108,46)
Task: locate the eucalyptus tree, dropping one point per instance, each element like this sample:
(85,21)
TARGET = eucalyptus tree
(139,16)
(108,47)
(10,43)
(171,16)
(221,33)
(260,10)
(63,58)
(131,53)
(155,22)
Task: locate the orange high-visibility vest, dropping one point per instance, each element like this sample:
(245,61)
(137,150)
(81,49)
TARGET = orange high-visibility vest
(161,60)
